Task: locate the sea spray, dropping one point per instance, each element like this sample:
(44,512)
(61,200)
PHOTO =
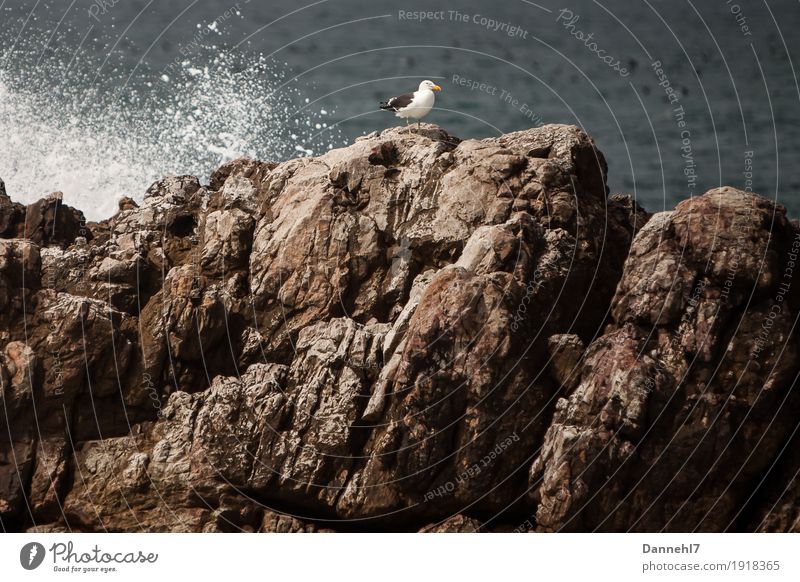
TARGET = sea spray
(98,142)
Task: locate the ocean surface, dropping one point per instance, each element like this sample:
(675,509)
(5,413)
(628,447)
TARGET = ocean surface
(99,98)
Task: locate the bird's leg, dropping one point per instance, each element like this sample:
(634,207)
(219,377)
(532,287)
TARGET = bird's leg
(419,124)
(408,129)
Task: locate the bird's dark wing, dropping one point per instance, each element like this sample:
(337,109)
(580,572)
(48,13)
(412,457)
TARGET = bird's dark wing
(396,103)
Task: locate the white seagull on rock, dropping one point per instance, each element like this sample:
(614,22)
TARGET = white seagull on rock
(414,105)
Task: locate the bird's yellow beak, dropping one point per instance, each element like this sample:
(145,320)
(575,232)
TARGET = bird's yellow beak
(437,88)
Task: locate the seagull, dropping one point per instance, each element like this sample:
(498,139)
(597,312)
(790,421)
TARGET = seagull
(415,105)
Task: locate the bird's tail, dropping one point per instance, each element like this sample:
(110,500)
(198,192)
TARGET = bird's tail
(386,107)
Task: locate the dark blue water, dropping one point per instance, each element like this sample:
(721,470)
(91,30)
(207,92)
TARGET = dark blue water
(503,66)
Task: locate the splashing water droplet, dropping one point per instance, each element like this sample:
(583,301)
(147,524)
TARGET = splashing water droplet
(97,143)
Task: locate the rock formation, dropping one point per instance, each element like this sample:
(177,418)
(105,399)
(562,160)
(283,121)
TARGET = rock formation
(413,333)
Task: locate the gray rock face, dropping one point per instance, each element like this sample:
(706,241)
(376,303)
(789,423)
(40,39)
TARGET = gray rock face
(411,333)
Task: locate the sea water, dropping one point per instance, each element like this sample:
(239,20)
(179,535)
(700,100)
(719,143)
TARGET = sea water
(98,98)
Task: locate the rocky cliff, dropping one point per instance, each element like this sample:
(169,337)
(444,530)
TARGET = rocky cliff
(413,332)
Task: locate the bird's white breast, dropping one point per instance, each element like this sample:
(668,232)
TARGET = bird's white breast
(420,105)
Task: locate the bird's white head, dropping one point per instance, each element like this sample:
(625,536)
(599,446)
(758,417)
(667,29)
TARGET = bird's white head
(429,86)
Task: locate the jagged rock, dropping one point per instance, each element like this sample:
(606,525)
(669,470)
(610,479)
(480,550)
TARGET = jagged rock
(686,399)
(127,203)
(455,524)
(228,236)
(404,332)
(12,215)
(565,352)
(48,479)
(320,249)
(273,522)
(50,222)
(20,277)
(18,368)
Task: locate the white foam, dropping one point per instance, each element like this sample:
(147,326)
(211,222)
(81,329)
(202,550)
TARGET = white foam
(97,147)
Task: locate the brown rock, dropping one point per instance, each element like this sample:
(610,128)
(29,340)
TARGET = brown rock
(687,398)
(566,351)
(12,215)
(50,222)
(455,524)
(48,480)
(20,277)
(397,335)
